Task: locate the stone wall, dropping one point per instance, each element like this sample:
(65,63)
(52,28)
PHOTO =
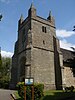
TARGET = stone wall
(69,79)
(41,39)
(42,67)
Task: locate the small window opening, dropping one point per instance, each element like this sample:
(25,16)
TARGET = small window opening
(44,29)
(43,42)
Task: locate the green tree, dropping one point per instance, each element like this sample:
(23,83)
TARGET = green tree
(73,28)
(5,72)
(1,17)
(0,58)
(0,63)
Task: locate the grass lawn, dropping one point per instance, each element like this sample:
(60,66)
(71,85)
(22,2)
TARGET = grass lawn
(53,95)
(57,95)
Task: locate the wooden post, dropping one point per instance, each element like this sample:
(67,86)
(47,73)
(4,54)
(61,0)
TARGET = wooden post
(24,92)
(32,92)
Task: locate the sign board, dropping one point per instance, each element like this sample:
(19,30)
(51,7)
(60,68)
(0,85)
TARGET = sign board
(29,81)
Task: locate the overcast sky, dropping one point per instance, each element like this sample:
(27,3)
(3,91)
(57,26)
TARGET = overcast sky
(62,10)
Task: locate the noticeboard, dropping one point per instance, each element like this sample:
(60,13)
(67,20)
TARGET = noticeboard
(29,81)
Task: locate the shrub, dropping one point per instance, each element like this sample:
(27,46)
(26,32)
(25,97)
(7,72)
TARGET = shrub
(38,91)
(20,88)
(38,88)
(72,88)
(4,84)
(69,89)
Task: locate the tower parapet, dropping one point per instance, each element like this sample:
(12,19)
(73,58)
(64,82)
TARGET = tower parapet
(20,20)
(32,11)
(51,19)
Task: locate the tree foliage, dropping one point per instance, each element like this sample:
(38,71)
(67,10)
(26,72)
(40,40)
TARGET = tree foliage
(0,61)
(5,67)
(1,17)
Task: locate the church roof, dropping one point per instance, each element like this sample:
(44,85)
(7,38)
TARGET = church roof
(67,54)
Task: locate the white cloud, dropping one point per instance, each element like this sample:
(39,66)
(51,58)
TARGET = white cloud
(5,1)
(6,54)
(64,44)
(64,33)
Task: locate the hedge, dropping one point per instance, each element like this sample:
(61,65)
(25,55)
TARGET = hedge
(38,91)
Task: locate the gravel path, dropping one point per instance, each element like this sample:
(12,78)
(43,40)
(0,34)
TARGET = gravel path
(5,94)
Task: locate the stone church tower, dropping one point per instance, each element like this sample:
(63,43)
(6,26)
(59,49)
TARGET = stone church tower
(37,51)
